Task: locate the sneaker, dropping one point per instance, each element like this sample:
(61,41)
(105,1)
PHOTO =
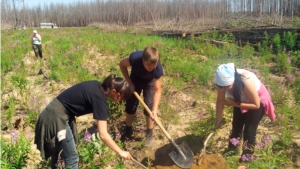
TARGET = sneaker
(127,134)
(149,140)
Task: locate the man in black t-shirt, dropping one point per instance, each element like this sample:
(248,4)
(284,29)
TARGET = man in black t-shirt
(146,75)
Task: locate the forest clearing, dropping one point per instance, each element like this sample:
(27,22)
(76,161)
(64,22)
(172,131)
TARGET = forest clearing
(190,52)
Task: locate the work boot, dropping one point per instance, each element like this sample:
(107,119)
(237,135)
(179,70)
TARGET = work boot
(149,137)
(231,150)
(127,133)
(149,140)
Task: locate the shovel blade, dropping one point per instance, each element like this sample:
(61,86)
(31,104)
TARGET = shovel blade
(185,161)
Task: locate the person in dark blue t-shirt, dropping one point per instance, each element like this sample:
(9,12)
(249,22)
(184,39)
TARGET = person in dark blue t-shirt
(146,75)
(56,131)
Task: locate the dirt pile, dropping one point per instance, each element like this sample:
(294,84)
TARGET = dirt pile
(209,161)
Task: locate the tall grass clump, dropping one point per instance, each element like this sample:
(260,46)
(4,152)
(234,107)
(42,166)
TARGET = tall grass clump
(14,151)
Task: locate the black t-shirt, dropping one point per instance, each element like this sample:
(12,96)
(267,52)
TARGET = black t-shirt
(138,70)
(85,98)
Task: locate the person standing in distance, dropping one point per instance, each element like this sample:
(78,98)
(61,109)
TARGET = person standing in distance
(146,75)
(36,41)
(55,129)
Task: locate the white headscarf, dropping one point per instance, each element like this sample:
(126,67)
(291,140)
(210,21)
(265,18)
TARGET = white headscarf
(225,74)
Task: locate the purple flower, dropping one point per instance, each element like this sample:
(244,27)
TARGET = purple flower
(235,141)
(143,129)
(247,157)
(87,136)
(194,81)
(178,75)
(28,136)
(60,163)
(297,72)
(13,134)
(290,77)
(260,145)
(271,46)
(267,139)
(200,115)
(288,60)
(172,94)
(113,162)
(118,136)
(139,112)
(186,103)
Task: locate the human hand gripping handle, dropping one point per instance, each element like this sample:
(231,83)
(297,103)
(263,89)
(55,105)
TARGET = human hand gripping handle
(153,115)
(125,155)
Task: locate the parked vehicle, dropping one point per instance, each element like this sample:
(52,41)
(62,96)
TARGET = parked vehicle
(48,25)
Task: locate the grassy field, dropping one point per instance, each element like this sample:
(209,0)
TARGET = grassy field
(73,55)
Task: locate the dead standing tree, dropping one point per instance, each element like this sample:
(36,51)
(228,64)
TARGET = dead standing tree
(159,12)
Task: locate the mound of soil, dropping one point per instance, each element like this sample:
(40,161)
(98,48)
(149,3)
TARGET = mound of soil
(209,161)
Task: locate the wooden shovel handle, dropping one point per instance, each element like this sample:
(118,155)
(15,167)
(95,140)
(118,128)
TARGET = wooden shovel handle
(150,112)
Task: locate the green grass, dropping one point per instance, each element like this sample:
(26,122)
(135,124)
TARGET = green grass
(67,49)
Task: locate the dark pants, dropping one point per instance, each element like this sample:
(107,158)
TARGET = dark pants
(69,153)
(38,51)
(148,93)
(249,121)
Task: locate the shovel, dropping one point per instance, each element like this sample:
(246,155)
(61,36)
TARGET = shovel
(139,164)
(185,157)
(203,151)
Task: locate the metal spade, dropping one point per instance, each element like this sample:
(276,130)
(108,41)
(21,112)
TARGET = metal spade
(203,151)
(184,156)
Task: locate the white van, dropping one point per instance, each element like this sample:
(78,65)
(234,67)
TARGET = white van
(48,25)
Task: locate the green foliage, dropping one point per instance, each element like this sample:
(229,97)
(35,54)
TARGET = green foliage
(10,112)
(265,53)
(296,22)
(247,52)
(289,40)
(295,59)
(203,127)
(296,92)
(115,110)
(94,153)
(187,62)
(54,76)
(14,152)
(276,42)
(283,63)
(19,81)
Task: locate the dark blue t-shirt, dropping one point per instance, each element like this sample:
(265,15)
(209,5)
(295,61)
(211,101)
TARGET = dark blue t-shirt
(84,98)
(138,71)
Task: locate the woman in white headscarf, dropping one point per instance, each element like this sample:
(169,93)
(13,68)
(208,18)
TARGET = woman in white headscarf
(250,99)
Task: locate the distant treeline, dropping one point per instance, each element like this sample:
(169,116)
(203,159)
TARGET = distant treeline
(129,12)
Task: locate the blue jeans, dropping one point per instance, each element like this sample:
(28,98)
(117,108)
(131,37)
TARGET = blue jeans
(69,153)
